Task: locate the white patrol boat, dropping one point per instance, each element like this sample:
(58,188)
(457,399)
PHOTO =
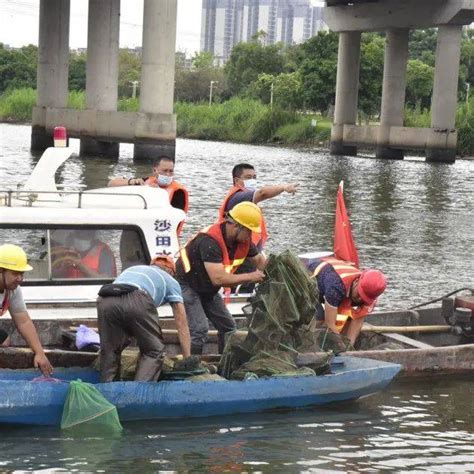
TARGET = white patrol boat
(128,225)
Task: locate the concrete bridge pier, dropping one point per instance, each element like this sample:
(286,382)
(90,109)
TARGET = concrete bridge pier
(347,84)
(393,91)
(441,142)
(102,73)
(157,81)
(53,68)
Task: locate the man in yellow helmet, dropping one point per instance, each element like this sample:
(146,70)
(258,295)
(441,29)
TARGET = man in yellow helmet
(208,262)
(13,264)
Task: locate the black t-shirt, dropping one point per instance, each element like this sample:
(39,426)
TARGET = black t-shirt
(204,249)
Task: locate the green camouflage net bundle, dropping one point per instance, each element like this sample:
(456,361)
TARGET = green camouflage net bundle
(173,369)
(280,324)
(86,407)
(128,363)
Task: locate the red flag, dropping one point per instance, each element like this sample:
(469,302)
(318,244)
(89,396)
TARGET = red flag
(344,246)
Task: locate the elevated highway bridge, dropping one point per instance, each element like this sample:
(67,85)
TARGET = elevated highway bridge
(152,130)
(396,18)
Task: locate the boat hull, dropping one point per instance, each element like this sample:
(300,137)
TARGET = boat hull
(41,403)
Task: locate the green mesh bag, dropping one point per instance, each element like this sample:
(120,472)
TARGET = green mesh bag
(86,407)
(280,321)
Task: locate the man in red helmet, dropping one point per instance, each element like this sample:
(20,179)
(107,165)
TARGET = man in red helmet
(348,294)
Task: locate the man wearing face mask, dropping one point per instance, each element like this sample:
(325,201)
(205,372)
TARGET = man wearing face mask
(208,262)
(246,188)
(84,256)
(163,172)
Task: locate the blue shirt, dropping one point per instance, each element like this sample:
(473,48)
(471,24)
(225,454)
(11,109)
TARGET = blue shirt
(331,287)
(238,197)
(162,287)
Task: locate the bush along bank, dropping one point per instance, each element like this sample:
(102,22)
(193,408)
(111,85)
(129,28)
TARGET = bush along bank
(464,125)
(242,120)
(248,121)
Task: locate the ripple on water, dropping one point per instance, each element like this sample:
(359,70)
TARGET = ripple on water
(409,218)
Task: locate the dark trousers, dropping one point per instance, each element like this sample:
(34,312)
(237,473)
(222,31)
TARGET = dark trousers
(200,309)
(121,317)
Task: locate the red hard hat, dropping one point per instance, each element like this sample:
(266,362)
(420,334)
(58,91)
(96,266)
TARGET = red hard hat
(372,284)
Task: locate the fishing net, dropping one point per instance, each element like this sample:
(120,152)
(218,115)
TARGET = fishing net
(280,323)
(86,407)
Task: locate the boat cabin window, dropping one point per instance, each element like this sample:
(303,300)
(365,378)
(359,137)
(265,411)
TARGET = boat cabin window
(77,253)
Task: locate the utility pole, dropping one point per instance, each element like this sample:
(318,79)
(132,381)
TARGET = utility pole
(134,90)
(210,91)
(271,96)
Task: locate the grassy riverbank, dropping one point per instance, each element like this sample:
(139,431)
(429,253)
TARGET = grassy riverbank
(242,120)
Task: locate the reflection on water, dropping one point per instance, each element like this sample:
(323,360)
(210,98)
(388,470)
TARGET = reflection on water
(411,219)
(422,425)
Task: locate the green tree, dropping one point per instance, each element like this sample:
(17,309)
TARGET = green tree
(317,64)
(18,67)
(129,71)
(77,71)
(203,60)
(261,87)
(422,45)
(371,74)
(193,85)
(419,83)
(466,69)
(248,60)
(287,89)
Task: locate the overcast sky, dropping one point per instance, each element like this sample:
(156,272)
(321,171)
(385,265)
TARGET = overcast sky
(19,23)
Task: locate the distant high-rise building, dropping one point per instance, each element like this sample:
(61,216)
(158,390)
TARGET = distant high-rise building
(225,23)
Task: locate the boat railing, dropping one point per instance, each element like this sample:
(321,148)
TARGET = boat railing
(9,197)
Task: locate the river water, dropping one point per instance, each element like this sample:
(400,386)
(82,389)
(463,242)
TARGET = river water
(411,219)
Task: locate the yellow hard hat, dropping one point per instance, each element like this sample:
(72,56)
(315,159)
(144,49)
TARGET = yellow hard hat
(14,258)
(248,215)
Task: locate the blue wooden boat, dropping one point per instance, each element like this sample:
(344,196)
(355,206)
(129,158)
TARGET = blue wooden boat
(24,401)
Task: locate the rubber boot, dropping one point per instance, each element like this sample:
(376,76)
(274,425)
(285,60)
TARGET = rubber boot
(109,366)
(149,368)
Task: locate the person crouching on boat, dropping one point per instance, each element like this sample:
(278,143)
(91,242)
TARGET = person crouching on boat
(13,265)
(348,294)
(127,307)
(208,262)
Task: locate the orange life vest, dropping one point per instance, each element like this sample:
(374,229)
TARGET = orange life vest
(348,274)
(215,232)
(259,240)
(5,303)
(92,260)
(171,190)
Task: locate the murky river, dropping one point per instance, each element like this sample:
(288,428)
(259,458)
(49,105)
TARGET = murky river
(411,219)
